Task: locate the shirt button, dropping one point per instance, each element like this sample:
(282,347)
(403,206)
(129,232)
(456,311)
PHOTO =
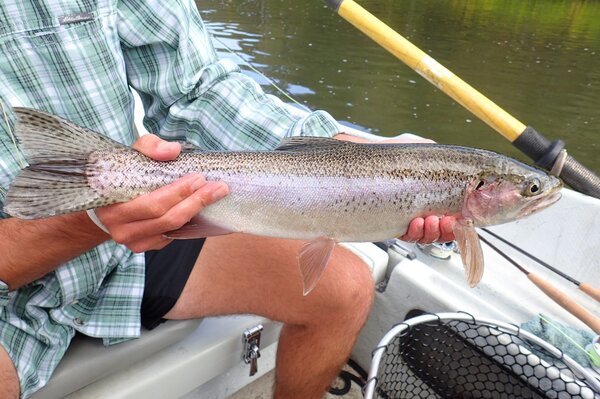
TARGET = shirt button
(78,322)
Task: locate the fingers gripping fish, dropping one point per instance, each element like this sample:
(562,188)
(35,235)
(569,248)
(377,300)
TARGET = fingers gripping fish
(321,190)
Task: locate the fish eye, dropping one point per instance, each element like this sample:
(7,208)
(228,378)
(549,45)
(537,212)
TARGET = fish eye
(534,187)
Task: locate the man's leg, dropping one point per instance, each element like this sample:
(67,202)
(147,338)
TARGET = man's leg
(9,381)
(239,274)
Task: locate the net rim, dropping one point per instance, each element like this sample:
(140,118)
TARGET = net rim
(405,326)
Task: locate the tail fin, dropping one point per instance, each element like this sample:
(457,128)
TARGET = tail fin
(55,182)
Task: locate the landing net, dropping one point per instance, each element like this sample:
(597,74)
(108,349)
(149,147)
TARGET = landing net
(452,355)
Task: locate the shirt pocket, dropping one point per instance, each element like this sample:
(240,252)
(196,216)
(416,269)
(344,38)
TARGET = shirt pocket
(69,64)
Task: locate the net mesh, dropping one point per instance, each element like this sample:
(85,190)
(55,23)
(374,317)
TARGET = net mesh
(458,359)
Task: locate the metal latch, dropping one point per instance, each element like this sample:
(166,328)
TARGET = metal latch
(396,246)
(439,250)
(252,347)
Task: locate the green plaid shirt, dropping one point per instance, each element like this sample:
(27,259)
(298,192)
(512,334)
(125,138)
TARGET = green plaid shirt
(78,59)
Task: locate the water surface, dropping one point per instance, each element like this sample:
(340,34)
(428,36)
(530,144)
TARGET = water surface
(539,60)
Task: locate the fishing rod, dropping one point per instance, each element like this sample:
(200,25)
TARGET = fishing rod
(548,155)
(557,295)
(585,287)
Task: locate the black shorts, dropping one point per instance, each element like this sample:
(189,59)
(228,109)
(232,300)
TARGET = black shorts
(167,271)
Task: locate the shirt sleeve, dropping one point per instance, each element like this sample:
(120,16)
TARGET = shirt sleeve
(3,287)
(188,93)
(12,159)
(4,298)
(3,191)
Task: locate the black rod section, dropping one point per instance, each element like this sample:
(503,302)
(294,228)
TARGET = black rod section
(545,153)
(533,257)
(505,256)
(335,4)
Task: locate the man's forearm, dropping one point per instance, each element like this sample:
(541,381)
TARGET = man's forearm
(32,248)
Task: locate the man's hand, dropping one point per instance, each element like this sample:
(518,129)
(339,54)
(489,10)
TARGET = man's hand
(430,229)
(140,223)
(423,230)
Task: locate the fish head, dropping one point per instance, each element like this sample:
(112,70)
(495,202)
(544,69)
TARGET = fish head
(507,191)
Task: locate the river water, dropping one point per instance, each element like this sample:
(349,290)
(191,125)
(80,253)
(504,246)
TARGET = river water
(539,60)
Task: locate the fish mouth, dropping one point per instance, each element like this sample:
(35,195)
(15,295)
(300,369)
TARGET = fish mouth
(541,203)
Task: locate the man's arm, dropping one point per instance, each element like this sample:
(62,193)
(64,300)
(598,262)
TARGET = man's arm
(189,94)
(32,248)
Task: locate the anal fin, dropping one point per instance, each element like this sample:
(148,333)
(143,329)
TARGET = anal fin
(470,250)
(312,259)
(198,227)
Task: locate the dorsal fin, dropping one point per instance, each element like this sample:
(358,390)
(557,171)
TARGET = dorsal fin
(305,143)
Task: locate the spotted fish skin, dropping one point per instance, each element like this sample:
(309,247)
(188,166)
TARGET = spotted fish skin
(293,194)
(308,188)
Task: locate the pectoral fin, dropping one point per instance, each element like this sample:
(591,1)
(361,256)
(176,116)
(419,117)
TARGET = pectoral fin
(198,227)
(312,259)
(470,251)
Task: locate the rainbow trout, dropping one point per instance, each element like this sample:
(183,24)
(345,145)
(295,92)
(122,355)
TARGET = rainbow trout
(316,189)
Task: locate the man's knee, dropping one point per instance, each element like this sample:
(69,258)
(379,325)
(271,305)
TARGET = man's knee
(357,288)
(9,381)
(348,288)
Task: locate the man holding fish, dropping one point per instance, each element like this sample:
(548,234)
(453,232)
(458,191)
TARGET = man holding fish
(95,273)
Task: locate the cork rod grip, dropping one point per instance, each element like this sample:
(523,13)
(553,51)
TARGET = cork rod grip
(591,291)
(566,302)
